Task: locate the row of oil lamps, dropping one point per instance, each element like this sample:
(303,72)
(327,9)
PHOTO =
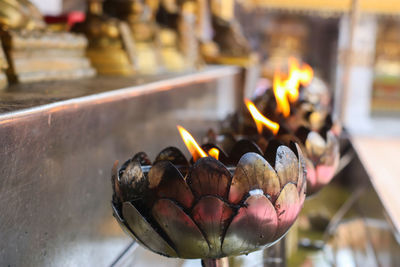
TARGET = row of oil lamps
(221,204)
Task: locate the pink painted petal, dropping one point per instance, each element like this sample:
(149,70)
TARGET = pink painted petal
(212,215)
(312,182)
(321,174)
(253,227)
(324,174)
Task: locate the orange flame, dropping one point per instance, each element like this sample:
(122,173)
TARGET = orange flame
(214,152)
(260,120)
(280,90)
(195,150)
(297,76)
(288,89)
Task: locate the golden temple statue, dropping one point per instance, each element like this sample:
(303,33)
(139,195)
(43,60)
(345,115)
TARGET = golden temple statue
(34,52)
(111,47)
(233,46)
(189,43)
(140,16)
(172,58)
(207,30)
(20,15)
(177,35)
(176,22)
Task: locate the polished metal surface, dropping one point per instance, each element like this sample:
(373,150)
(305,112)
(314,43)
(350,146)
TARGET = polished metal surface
(222,219)
(22,96)
(55,159)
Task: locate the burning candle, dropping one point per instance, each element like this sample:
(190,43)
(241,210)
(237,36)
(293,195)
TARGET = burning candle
(280,92)
(260,120)
(214,152)
(195,150)
(287,90)
(297,76)
(322,154)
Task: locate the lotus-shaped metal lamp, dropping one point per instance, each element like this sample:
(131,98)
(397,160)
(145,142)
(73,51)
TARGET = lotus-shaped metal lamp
(212,208)
(322,157)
